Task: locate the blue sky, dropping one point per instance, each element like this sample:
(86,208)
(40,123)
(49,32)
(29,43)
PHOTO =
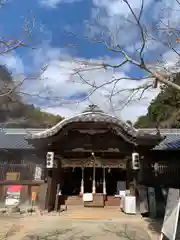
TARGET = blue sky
(60,92)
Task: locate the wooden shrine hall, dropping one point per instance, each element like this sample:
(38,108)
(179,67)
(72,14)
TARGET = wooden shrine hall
(91,151)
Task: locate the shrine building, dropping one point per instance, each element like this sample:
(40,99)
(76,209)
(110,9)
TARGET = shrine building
(92,152)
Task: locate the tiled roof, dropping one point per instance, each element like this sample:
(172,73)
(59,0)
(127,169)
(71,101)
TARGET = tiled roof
(13,138)
(172,140)
(95,116)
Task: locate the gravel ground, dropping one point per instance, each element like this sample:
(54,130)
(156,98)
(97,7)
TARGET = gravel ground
(54,227)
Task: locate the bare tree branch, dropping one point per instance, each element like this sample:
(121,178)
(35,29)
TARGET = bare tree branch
(159,75)
(8,46)
(15,87)
(151,71)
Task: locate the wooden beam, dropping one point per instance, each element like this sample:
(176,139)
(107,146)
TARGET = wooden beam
(87,162)
(90,166)
(21,182)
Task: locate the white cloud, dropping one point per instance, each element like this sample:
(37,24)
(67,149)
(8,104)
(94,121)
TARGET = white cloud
(119,7)
(60,84)
(55,3)
(116,24)
(168,11)
(171,62)
(13,62)
(57,83)
(112,17)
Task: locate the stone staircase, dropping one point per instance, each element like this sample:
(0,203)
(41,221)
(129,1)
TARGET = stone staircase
(74,200)
(77,201)
(112,201)
(103,214)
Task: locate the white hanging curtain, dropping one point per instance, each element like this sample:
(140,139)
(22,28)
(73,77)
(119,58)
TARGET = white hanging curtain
(104,181)
(82,182)
(94,179)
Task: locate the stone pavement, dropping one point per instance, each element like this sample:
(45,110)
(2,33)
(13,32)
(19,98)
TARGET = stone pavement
(75,225)
(107,213)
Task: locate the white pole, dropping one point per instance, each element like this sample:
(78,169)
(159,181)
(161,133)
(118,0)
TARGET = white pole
(104,181)
(161,236)
(82,182)
(94,180)
(94,175)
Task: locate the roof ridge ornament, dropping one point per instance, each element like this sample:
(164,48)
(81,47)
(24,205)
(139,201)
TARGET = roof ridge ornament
(92,108)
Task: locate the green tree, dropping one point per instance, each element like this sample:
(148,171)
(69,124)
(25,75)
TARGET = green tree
(15,112)
(164,110)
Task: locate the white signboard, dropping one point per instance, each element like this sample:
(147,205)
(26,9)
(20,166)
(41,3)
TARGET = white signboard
(38,173)
(169,227)
(12,198)
(13,195)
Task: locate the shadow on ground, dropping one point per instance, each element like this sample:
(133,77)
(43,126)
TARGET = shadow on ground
(131,232)
(105,231)
(154,225)
(57,235)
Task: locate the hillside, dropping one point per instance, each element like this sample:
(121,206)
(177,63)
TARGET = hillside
(15,113)
(164,110)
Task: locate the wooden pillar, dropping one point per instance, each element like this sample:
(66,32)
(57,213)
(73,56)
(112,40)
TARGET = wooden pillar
(82,182)
(24,195)
(143,199)
(128,175)
(134,183)
(42,196)
(52,181)
(131,178)
(48,194)
(152,202)
(56,208)
(104,180)
(59,196)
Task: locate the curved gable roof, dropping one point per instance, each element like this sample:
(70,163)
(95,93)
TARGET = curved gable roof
(88,116)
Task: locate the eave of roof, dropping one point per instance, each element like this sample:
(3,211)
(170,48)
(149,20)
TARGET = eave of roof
(172,140)
(123,129)
(85,117)
(15,138)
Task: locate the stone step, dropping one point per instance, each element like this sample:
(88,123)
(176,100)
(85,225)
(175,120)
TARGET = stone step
(93,214)
(112,201)
(76,200)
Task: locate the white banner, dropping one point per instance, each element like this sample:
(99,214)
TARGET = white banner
(38,173)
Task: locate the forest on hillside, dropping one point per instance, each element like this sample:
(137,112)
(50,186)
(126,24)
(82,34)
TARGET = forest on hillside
(164,110)
(14,112)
